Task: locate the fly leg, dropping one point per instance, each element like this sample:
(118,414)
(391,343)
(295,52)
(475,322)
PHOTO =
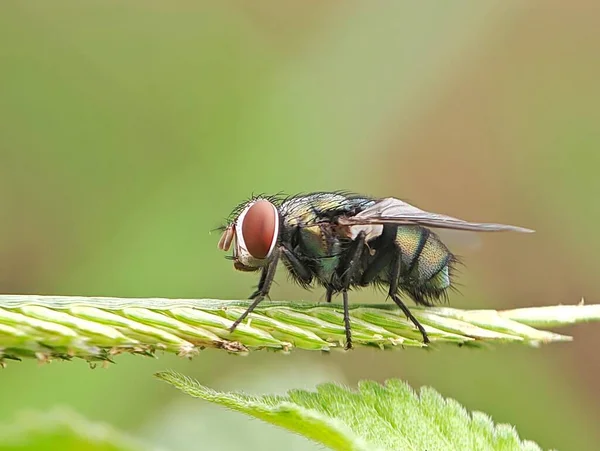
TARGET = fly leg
(261,283)
(264,286)
(393,293)
(347,320)
(346,272)
(300,271)
(329,293)
(382,260)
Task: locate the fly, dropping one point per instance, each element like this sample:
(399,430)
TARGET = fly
(344,241)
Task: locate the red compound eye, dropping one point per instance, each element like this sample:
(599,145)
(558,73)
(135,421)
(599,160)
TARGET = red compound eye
(260,226)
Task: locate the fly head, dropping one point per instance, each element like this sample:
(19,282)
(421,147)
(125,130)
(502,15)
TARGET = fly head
(254,232)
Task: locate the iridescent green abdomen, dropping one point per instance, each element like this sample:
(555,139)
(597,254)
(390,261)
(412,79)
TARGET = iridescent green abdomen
(426,263)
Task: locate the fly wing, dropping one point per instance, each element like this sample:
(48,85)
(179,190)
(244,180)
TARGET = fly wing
(395,211)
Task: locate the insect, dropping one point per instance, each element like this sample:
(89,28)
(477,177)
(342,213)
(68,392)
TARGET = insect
(344,241)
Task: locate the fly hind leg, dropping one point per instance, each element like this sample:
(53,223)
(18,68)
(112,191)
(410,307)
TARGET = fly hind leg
(393,293)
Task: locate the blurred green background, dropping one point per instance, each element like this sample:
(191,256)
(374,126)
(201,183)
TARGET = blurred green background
(130,129)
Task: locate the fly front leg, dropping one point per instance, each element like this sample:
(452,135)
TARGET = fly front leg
(261,283)
(266,280)
(299,270)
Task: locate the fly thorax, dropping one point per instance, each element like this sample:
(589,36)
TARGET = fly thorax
(315,242)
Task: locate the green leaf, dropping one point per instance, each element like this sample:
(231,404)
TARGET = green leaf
(374,418)
(64,430)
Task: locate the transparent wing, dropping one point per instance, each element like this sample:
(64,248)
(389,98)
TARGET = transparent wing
(395,211)
(461,240)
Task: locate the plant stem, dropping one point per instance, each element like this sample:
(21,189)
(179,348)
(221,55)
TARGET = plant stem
(97,328)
